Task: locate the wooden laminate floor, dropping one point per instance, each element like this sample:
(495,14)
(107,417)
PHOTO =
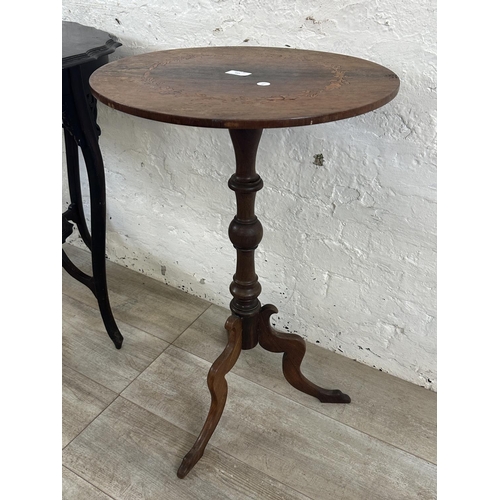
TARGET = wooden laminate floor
(130,415)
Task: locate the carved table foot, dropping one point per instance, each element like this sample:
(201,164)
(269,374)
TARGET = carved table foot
(218,389)
(294,349)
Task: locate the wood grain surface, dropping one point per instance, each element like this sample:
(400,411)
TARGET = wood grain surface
(192,86)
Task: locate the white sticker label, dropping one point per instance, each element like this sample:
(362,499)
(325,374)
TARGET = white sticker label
(237,73)
(263,84)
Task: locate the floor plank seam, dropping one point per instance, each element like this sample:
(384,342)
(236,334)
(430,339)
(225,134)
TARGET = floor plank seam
(68,367)
(88,482)
(141,372)
(193,322)
(252,381)
(317,412)
(97,416)
(211,446)
(360,422)
(96,308)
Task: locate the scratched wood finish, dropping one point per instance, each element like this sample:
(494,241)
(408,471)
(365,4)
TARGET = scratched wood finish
(191,87)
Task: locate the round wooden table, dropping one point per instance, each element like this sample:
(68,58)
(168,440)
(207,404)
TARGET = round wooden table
(246,89)
(84,49)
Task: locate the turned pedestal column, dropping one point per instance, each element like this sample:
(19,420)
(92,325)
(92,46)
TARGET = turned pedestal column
(249,324)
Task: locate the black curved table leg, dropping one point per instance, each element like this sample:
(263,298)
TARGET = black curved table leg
(75,210)
(81,130)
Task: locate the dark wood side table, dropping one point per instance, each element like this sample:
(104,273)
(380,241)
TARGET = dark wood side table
(246,89)
(85,49)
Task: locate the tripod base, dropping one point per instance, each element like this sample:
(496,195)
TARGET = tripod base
(294,349)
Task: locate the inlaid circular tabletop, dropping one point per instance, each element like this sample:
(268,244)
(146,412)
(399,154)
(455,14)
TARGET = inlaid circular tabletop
(244,87)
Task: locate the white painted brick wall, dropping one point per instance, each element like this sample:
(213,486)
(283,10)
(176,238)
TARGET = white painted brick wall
(348,254)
